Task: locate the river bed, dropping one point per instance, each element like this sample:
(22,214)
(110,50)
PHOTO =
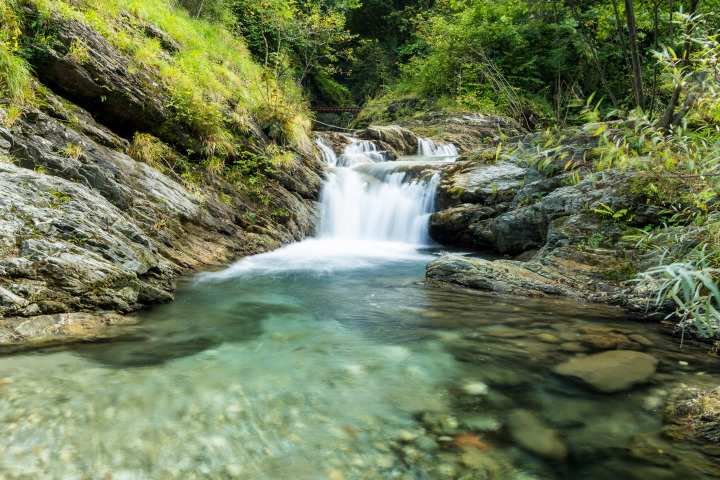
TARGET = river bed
(314,362)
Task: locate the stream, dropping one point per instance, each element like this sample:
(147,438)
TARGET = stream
(330,359)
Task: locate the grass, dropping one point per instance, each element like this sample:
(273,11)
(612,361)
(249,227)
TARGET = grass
(15,73)
(214,84)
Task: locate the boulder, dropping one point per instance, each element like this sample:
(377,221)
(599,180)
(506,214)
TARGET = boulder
(609,372)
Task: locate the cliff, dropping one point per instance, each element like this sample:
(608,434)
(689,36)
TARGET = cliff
(87,231)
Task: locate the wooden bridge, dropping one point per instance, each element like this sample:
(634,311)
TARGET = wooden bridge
(336,109)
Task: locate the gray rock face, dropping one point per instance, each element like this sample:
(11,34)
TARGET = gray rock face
(532,434)
(99,231)
(499,276)
(123,97)
(609,372)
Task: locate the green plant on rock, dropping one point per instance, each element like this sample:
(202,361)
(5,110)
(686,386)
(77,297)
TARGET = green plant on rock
(595,239)
(607,212)
(78,51)
(71,150)
(9,115)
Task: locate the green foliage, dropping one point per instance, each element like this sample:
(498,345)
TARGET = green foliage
(693,285)
(15,73)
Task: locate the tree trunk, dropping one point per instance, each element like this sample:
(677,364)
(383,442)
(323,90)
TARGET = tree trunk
(622,35)
(634,55)
(594,55)
(656,6)
(669,117)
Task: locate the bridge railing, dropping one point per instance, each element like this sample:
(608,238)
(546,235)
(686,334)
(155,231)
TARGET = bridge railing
(336,109)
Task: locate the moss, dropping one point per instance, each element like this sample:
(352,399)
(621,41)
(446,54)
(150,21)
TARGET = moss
(620,272)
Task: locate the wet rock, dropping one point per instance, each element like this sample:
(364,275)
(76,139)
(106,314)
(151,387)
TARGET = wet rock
(605,341)
(532,434)
(548,338)
(403,141)
(641,340)
(609,372)
(695,416)
(475,388)
(572,347)
(439,423)
(426,443)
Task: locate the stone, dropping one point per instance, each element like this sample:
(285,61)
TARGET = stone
(548,338)
(534,435)
(572,347)
(402,140)
(604,341)
(641,340)
(609,372)
(475,388)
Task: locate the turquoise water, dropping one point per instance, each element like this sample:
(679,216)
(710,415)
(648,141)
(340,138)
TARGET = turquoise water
(329,360)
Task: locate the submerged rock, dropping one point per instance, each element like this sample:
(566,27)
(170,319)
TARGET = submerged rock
(609,372)
(532,434)
(695,416)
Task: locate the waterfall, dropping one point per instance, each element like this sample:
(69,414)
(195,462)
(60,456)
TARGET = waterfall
(359,152)
(359,207)
(368,214)
(428,148)
(376,204)
(327,153)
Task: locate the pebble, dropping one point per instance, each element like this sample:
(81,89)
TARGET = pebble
(426,443)
(475,388)
(572,347)
(641,340)
(548,338)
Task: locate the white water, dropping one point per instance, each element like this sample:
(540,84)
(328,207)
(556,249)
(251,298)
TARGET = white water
(360,152)
(327,153)
(428,148)
(367,218)
(357,207)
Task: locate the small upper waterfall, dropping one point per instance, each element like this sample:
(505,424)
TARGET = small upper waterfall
(378,207)
(359,152)
(427,147)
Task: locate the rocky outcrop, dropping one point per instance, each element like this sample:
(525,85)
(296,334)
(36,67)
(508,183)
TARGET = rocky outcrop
(103,80)
(86,229)
(569,238)
(609,372)
(499,276)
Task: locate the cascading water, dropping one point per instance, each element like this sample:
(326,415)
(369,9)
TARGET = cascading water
(327,153)
(363,208)
(428,148)
(381,207)
(360,152)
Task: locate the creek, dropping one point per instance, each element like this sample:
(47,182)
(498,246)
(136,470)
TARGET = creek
(329,359)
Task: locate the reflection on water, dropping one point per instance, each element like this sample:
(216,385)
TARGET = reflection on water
(338,367)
